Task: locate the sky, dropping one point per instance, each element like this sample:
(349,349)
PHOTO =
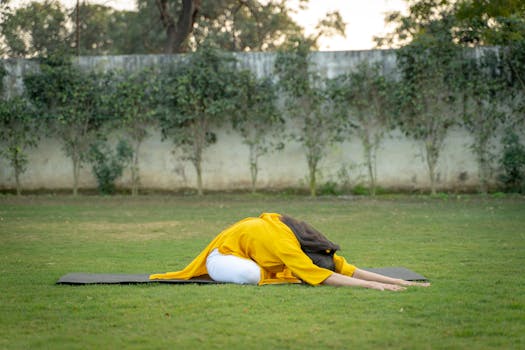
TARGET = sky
(364,18)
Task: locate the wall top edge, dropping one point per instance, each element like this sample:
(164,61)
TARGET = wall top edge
(238,54)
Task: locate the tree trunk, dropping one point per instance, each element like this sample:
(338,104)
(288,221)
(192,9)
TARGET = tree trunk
(312,167)
(370,163)
(198,169)
(371,173)
(480,148)
(253,167)
(17,164)
(178,32)
(484,171)
(135,179)
(431,163)
(198,130)
(17,179)
(76,172)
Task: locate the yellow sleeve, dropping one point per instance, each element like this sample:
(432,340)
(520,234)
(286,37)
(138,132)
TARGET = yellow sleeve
(299,263)
(342,267)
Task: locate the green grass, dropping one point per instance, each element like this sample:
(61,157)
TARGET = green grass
(472,248)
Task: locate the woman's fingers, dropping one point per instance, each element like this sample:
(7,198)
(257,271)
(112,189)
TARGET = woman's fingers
(394,288)
(411,283)
(421,284)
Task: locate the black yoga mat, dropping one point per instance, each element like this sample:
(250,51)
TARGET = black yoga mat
(397,272)
(112,278)
(119,278)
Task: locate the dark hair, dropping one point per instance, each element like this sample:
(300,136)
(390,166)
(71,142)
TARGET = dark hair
(313,243)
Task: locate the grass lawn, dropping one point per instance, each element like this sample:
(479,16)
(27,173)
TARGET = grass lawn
(472,248)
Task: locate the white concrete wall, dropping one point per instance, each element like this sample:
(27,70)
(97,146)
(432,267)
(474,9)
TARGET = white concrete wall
(225,167)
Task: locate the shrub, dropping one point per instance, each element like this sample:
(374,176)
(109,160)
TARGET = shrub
(512,163)
(108,165)
(360,190)
(329,188)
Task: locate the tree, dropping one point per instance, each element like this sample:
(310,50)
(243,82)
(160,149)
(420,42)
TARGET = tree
(512,162)
(71,100)
(472,23)
(427,61)
(233,25)
(485,100)
(427,92)
(19,133)
(490,22)
(39,29)
(498,23)
(362,99)
(5,10)
(160,26)
(132,102)
(256,117)
(306,105)
(422,16)
(103,30)
(200,97)
(245,25)
(177,18)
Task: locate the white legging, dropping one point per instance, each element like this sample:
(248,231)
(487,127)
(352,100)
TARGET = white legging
(233,269)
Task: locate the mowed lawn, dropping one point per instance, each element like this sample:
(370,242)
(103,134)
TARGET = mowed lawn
(472,248)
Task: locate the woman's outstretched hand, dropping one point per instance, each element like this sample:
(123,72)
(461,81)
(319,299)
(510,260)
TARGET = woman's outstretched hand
(386,286)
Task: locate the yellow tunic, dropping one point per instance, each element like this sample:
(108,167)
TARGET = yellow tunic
(272,245)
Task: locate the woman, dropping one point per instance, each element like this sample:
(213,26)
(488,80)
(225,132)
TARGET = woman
(276,248)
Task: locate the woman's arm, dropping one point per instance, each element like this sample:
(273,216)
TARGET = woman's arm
(371,276)
(336,279)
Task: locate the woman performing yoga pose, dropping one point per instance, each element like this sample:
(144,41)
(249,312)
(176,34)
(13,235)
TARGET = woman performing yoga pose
(276,248)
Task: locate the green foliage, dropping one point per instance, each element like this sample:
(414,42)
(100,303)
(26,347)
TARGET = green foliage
(421,17)
(72,102)
(133,104)
(256,117)
(485,100)
(39,29)
(108,165)
(498,23)
(329,188)
(200,96)
(491,85)
(363,100)
(3,73)
(513,163)
(490,22)
(360,190)
(231,24)
(156,27)
(245,25)
(427,91)
(306,104)
(104,30)
(20,132)
(514,58)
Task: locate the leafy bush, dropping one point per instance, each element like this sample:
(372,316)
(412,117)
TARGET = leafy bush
(329,188)
(360,190)
(108,165)
(513,163)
